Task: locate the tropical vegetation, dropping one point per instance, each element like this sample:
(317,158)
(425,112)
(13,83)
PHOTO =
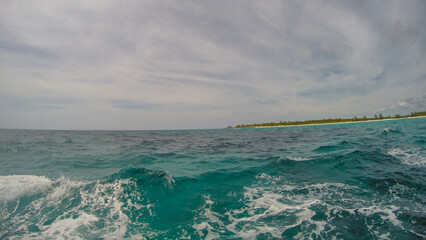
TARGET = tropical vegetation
(335,120)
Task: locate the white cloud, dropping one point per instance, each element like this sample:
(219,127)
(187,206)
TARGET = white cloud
(204,64)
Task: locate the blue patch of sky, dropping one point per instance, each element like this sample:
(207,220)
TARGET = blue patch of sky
(26,50)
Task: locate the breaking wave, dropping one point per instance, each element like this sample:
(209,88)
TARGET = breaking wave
(353,181)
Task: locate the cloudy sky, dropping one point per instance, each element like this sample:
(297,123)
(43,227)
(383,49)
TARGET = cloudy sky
(207,64)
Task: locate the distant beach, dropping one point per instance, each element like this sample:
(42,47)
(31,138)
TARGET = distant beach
(355,119)
(343,122)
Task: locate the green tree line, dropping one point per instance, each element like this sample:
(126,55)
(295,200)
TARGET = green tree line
(335,120)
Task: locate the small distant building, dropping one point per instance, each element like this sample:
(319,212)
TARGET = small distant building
(229,127)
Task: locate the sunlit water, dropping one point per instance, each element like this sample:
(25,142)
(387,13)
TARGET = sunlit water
(343,181)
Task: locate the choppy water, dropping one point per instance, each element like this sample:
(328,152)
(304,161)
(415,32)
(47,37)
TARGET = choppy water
(344,181)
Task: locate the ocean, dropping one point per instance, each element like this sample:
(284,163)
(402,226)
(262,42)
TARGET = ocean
(341,181)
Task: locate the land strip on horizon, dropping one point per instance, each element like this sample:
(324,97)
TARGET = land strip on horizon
(331,121)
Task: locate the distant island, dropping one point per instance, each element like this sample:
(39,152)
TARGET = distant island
(328,121)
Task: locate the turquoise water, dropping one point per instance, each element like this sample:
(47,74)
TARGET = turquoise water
(343,181)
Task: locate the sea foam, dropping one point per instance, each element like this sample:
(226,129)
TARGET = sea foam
(409,156)
(14,186)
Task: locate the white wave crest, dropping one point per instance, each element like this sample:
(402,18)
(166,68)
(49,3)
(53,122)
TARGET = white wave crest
(274,209)
(298,159)
(79,208)
(409,157)
(206,220)
(14,186)
(249,222)
(385,213)
(67,228)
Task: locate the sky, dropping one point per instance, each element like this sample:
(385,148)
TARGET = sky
(140,65)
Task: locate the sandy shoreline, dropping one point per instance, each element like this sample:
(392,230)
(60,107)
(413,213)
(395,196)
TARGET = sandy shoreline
(314,124)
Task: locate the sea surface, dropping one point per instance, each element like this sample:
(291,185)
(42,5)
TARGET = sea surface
(340,181)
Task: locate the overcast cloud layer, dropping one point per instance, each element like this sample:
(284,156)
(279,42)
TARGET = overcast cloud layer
(206,64)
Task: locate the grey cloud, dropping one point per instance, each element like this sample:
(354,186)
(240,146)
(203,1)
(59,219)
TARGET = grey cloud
(400,34)
(338,49)
(326,94)
(414,103)
(408,105)
(230,60)
(129,105)
(34,105)
(171,106)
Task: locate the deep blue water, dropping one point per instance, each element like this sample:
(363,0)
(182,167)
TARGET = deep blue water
(343,181)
